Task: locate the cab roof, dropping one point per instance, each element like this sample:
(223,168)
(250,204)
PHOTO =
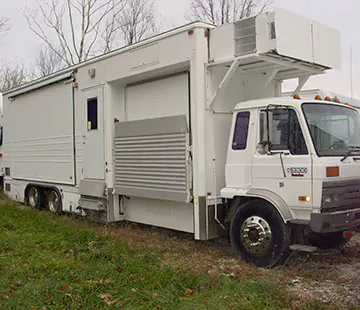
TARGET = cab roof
(285,101)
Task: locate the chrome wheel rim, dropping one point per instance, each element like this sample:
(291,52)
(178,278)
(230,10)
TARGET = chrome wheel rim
(256,235)
(53,201)
(33,197)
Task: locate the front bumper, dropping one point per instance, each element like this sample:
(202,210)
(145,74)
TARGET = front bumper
(335,221)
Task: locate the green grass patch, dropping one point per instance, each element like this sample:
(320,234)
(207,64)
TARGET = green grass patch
(54,262)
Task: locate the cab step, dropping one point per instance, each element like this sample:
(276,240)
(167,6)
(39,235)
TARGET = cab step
(303,248)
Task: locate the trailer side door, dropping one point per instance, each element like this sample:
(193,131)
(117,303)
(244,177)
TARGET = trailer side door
(94,166)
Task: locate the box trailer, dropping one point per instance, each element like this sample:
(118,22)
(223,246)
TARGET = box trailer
(187,131)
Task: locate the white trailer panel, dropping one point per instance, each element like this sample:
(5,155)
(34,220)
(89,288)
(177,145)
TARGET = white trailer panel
(40,142)
(159,98)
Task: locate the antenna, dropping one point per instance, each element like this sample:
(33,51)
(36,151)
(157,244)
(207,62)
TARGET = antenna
(351,76)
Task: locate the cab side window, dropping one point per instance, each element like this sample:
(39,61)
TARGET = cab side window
(241,131)
(285,131)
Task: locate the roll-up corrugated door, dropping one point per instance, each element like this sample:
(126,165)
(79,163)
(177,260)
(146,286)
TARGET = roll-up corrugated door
(152,148)
(167,96)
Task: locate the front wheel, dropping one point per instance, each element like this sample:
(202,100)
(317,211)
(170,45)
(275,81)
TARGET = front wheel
(258,233)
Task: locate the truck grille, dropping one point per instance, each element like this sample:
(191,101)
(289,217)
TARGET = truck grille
(340,196)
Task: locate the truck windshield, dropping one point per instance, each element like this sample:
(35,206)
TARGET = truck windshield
(335,130)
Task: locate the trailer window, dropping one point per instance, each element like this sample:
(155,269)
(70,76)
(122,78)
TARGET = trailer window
(241,131)
(92,112)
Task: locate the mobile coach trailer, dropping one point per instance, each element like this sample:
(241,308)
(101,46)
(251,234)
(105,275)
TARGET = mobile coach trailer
(186,131)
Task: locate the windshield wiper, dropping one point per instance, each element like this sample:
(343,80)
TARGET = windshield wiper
(352,149)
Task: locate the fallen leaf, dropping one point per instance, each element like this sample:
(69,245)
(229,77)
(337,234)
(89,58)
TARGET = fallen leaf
(64,288)
(189,292)
(133,289)
(105,298)
(69,295)
(108,281)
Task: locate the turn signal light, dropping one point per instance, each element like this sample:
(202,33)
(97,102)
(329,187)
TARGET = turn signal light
(318,97)
(337,100)
(332,172)
(305,198)
(297,96)
(327,98)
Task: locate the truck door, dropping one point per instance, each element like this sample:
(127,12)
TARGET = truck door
(94,166)
(286,168)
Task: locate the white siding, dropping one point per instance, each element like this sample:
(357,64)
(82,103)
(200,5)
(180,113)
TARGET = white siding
(164,97)
(40,135)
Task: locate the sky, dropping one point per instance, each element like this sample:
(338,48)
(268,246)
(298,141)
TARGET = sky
(20,43)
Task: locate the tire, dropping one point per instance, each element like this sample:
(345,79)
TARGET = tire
(34,197)
(258,233)
(53,201)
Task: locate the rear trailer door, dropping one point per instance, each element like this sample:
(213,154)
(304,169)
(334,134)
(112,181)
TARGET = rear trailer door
(152,148)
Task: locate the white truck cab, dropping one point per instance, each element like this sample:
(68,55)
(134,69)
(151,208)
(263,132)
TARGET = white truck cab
(292,169)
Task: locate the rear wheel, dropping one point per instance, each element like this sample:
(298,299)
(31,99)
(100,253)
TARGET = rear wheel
(258,233)
(34,197)
(53,201)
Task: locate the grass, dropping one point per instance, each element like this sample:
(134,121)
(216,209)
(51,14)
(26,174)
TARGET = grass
(50,261)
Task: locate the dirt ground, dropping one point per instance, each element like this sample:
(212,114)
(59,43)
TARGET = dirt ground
(332,277)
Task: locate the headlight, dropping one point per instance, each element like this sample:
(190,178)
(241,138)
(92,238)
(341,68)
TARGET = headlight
(332,198)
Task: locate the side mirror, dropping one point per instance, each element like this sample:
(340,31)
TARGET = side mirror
(262,148)
(266,119)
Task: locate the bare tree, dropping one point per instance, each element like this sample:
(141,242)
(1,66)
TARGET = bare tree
(137,21)
(76,25)
(46,61)
(4,25)
(134,23)
(219,12)
(11,77)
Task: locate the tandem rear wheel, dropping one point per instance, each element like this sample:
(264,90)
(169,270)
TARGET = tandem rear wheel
(39,197)
(258,233)
(34,197)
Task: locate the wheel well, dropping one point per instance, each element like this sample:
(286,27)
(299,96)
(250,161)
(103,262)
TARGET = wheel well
(237,201)
(43,188)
